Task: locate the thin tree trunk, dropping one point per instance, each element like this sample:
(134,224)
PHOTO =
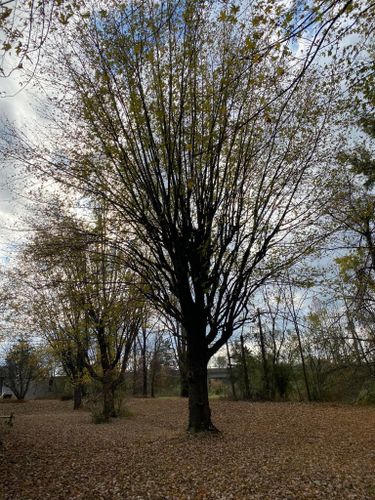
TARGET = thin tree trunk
(245,371)
(266,379)
(231,377)
(305,377)
(134,369)
(154,367)
(153,375)
(297,330)
(144,366)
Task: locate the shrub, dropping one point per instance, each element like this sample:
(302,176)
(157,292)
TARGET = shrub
(98,418)
(366,395)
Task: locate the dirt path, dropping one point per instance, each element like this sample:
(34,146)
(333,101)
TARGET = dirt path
(266,451)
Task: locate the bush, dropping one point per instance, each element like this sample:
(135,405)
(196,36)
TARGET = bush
(98,418)
(217,388)
(94,403)
(120,404)
(366,395)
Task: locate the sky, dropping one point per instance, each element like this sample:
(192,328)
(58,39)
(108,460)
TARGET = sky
(16,108)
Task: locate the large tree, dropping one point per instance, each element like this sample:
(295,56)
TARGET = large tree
(200,125)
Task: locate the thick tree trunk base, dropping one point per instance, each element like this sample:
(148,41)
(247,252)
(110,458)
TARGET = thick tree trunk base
(196,375)
(200,418)
(199,407)
(208,429)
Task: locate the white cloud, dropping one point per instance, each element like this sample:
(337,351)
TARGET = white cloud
(15,108)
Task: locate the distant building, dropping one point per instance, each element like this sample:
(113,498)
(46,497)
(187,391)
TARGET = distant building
(38,389)
(218,374)
(3,388)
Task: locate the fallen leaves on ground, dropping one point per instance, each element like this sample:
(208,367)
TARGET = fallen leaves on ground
(265,451)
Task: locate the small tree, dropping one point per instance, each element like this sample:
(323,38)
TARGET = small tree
(21,367)
(97,308)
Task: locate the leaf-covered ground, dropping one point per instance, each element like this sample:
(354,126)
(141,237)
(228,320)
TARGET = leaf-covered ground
(265,451)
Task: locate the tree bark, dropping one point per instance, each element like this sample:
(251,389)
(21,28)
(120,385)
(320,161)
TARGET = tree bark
(266,378)
(77,396)
(108,401)
(184,384)
(182,364)
(245,371)
(134,369)
(199,408)
(153,376)
(304,369)
(144,366)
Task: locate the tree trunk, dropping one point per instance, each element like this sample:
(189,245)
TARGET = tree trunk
(153,375)
(134,369)
(304,370)
(77,396)
(144,367)
(182,362)
(266,379)
(108,401)
(297,330)
(144,391)
(245,371)
(231,375)
(184,384)
(199,408)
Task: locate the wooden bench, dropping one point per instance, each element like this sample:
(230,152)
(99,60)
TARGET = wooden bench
(8,419)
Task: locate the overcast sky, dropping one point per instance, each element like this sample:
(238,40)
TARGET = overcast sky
(15,107)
